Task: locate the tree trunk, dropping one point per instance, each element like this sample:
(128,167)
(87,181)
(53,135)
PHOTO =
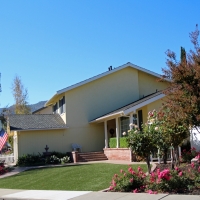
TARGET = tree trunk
(177,156)
(172,158)
(148,164)
(165,156)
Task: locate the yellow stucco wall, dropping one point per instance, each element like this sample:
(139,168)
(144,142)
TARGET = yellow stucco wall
(148,84)
(35,141)
(94,99)
(47,110)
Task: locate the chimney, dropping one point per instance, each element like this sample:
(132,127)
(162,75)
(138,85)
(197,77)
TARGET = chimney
(110,68)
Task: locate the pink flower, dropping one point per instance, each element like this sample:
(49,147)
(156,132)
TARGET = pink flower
(150,192)
(135,191)
(124,174)
(111,187)
(121,171)
(114,183)
(199,169)
(176,168)
(139,169)
(130,169)
(192,165)
(131,180)
(180,173)
(155,192)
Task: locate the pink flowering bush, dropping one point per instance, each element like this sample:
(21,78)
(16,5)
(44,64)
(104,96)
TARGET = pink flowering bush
(175,181)
(187,156)
(172,181)
(3,169)
(130,181)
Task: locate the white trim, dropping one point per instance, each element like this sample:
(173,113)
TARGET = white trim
(106,134)
(132,109)
(111,115)
(102,75)
(117,131)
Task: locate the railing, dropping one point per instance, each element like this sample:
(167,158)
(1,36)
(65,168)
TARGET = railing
(154,156)
(7,158)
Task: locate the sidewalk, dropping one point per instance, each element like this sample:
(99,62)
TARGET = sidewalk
(6,194)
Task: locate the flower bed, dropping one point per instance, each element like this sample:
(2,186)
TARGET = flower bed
(183,180)
(4,169)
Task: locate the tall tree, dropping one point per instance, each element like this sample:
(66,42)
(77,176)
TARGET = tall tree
(182,107)
(20,95)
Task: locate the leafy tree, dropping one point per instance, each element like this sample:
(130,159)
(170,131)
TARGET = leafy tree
(20,95)
(141,143)
(181,109)
(183,94)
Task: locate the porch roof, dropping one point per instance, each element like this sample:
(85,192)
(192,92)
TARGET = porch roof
(132,107)
(36,122)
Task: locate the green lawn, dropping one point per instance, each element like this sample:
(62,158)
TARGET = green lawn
(88,177)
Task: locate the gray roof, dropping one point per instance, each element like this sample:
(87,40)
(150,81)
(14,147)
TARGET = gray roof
(36,122)
(124,108)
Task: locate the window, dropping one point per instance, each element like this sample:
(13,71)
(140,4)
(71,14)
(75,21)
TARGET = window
(55,108)
(125,121)
(135,119)
(61,105)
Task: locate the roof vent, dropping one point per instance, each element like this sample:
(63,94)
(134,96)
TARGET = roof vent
(110,68)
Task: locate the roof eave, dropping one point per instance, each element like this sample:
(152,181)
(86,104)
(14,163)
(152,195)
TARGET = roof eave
(43,129)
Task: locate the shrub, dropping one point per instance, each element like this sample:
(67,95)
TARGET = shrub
(128,181)
(32,159)
(54,160)
(113,142)
(188,155)
(170,181)
(122,142)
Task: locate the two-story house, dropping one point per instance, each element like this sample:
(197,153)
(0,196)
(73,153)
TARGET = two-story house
(90,112)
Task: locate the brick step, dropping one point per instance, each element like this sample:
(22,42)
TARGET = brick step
(91,156)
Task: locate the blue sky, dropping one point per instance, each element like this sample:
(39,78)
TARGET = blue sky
(54,44)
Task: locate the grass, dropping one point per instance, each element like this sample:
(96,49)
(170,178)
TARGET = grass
(88,177)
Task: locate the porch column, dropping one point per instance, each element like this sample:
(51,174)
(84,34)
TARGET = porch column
(117,131)
(106,134)
(15,147)
(131,118)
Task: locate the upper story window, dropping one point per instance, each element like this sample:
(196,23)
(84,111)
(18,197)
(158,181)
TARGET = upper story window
(55,108)
(62,105)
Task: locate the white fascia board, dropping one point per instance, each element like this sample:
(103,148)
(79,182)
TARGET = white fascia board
(126,112)
(106,116)
(48,103)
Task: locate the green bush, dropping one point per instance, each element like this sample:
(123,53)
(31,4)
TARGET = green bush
(30,159)
(122,142)
(113,142)
(34,160)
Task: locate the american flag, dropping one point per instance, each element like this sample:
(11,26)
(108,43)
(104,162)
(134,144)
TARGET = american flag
(3,138)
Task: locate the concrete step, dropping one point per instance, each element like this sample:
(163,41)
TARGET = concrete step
(91,156)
